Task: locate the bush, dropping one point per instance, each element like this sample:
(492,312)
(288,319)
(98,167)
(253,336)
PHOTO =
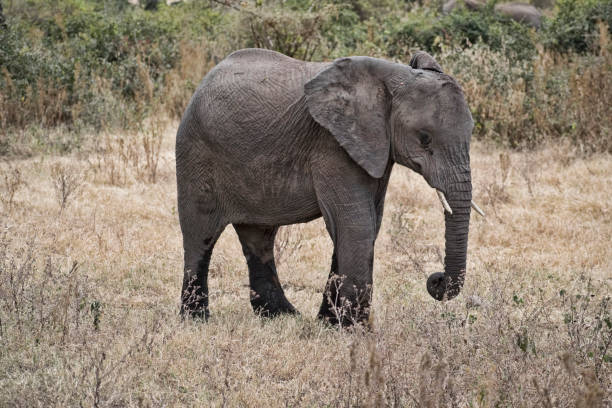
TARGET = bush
(462,28)
(292,31)
(521,104)
(346,31)
(574,27)
(419,30)
(27,73)
(87,65)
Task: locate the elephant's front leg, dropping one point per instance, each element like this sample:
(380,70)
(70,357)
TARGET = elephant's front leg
(349,210)
(348,292)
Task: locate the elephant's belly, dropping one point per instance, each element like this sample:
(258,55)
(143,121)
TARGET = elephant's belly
(269,199)
(275,215)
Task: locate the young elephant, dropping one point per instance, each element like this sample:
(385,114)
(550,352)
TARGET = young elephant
(268,140)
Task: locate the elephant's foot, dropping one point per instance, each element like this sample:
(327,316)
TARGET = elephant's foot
(345,307)
(267,295)
(194,300)
(195,312)
(344,313)
(194,293)
(269,301)
(327,315)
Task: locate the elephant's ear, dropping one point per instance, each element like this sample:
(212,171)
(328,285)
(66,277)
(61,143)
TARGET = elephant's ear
(422,60)
(351,103)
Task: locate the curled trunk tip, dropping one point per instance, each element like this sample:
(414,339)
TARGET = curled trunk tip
(441,287)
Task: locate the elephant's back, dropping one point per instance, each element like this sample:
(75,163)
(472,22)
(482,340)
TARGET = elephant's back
(519,7)
(250,88)
(521,12)
(257,63)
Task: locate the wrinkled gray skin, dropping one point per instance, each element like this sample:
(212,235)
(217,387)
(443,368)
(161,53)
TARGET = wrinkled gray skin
(268,140)
(469,4)
(521,12)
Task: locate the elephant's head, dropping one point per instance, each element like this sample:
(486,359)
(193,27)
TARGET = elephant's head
(414,115)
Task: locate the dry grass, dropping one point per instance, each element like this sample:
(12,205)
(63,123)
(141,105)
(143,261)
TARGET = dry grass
(519,103)
(89,297)
(43,102)
(554,96)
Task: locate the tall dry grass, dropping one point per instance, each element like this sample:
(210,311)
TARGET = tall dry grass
(89,296)
(522,103)
(43,103)
(197,59)
(515,102)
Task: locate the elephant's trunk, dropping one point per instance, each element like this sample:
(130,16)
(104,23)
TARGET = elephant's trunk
(447,285)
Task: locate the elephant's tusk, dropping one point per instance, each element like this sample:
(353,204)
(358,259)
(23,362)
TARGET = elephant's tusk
(478,210)
(444,202)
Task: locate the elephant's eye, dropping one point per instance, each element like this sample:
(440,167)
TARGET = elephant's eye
(425,138)
(425,141)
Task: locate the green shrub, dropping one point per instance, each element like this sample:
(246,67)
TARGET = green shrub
(90,65)
(522,103)
(345,31)
(418,30)
(101,60)
(574,26)
(286,28)
(462,28)
(109,44)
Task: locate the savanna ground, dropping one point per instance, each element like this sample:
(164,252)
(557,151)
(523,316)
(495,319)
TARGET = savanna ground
(91,269)
(90,248)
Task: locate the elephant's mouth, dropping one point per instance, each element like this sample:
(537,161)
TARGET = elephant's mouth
(449,210)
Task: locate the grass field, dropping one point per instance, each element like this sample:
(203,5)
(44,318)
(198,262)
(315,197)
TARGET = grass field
(91,269)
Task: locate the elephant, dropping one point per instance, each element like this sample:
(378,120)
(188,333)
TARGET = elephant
(521,12)
(471,5)
(268,140)
(149,5)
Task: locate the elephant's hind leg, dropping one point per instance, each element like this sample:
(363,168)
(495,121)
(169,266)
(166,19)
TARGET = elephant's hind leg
(267,296)
(201,229)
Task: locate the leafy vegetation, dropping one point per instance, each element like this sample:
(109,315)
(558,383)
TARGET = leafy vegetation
(460,30)
(574,27)
(86,66)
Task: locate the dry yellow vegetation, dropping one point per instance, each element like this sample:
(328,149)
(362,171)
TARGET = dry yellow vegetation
(91,269)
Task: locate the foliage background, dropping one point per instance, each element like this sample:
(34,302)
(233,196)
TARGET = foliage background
(86,65)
